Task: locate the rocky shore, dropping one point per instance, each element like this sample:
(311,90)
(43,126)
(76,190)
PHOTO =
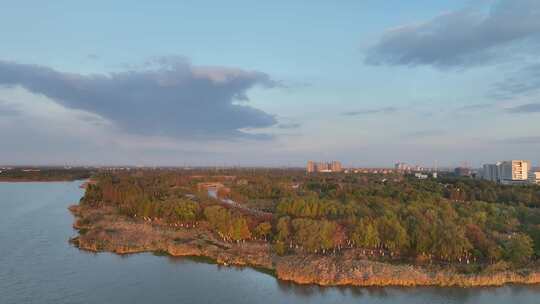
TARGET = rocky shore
(104,230)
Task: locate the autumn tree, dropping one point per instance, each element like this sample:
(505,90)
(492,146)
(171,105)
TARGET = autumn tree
(263,230)
(365,234)
(518,249)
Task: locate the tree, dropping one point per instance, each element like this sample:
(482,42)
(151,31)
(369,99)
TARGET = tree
(219,218)
(478,240)
(282,228)
(186,210)
(314,234)
(263,230)
(393,235)
(279,247)
(518,249)
(450,241)
(239,229)
(534,233)
(365,235)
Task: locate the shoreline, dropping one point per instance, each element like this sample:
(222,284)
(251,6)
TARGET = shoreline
(102,230)
(18,180)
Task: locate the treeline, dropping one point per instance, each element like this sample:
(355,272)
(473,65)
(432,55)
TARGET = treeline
(439,230)
(467,189)
(450,219)
(45,174)
(308,234)
(168,198)
(446,220)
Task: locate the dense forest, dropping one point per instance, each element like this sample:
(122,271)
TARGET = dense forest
(44,174)
(397,217)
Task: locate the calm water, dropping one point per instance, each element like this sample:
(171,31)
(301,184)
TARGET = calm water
(37,265)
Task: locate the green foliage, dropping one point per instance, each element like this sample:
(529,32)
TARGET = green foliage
(393,235)
(283,230)
(186,210)
(231,227)
(365,235)
(219,218)
(518,249)
(534,233)
(310,207)
(314,235)
(45,174)
(239,229)
(447,220)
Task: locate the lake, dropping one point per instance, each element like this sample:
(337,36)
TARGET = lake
(38,265)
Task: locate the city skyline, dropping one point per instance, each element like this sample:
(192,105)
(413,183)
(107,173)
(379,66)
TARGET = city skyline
(270,84)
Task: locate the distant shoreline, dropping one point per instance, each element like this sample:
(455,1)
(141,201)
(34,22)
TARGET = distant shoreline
(103,230)
(17,180)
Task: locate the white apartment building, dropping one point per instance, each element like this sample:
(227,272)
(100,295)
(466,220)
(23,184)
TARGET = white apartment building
(514,171)
(490,172)
(508,172)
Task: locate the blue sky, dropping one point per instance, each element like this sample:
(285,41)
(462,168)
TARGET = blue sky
(237,82)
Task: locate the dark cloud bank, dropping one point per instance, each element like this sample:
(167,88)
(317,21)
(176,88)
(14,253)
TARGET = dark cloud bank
(172,98)
(461,38)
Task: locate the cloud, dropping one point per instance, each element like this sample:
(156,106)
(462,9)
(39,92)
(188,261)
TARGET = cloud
(522,140)
(170,98)
(475,107)
(461,38)
(385,110)
(526,108)
(520,83)
(45,132)
(292,125)
(424,133)
(8,110)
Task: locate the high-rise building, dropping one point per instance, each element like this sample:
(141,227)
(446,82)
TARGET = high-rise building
(490,172)
(323,167)
(311,167)
(334,166)
(463,171)
(514,171)
(508,172)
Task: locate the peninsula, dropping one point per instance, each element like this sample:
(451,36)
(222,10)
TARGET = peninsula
(362,229)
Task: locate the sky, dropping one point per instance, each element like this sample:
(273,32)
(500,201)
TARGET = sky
(273,83)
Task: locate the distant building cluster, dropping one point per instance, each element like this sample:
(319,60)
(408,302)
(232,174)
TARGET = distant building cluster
(511,172)
(334,166)
(420,175)
(404,167)
(463,171)
(370,170)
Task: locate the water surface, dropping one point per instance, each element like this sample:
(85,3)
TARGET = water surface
(37,265)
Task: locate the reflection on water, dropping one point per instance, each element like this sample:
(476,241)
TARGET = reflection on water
(37,265)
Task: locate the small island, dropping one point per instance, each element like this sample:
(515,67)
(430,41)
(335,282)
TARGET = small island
(359,229)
